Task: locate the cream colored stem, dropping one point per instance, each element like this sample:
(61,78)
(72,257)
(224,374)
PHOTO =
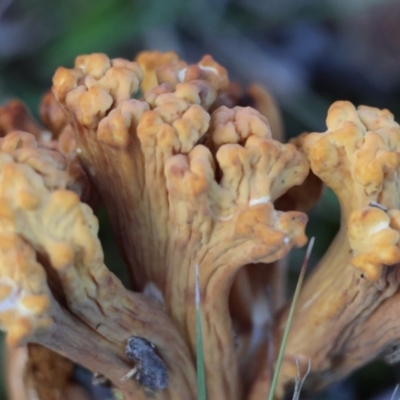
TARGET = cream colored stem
(219,350)
(378,336)
(222,372)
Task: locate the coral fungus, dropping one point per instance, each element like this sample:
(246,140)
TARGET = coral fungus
(190,180)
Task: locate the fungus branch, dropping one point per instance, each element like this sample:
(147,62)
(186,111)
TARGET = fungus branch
(184,187)
(358,278)
(55,289)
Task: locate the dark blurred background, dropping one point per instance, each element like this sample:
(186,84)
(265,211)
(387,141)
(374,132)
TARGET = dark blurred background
(308,53)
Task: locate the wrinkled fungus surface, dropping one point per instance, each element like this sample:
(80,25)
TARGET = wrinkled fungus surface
(190,178)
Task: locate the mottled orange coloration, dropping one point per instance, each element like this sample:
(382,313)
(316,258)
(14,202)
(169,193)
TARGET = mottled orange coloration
(175,203)
(191,181)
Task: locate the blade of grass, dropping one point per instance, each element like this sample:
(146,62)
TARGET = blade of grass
(394,392)
(289,320)
(201,376)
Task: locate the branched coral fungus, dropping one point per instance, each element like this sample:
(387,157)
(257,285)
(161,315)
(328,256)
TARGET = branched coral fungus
(358,279)
(191,180)
(56,291)
(201,189)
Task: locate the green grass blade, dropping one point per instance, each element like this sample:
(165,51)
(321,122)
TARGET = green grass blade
(289,321)
(394,392)
(201,376)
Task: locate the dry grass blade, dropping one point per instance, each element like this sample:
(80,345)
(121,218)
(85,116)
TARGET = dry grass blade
(300,382)
(289,321)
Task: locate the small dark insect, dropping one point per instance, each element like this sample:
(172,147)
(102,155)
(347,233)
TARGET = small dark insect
(150,370)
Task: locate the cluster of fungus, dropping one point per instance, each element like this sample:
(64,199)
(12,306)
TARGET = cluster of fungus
(194,181)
